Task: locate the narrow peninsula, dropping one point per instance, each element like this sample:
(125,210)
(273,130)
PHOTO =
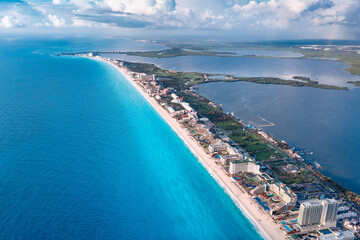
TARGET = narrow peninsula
(264,176)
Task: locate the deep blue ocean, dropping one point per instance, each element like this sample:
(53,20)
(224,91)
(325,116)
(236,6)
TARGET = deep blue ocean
(84,156)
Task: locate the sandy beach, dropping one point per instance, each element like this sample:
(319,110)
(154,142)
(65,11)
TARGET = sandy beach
(264,224)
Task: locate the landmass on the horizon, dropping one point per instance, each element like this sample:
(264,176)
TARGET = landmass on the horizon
(347,52)
(193,78)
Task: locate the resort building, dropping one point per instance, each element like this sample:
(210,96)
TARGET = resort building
(167,91)
(204,131)
(227,159)
(330,212)
(286,195)
(278,197)
(243,166)
(186,106)
(204,120)
(266,136)
(317,214)
(171,110)
(290,168)
(282,191)
(259,190)
(218,147)
(141,76)
(232,151)
(145,77)
(341,235)
(174,96)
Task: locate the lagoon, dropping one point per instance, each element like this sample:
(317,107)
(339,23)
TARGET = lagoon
(319,120)
(323,71)
(260,53)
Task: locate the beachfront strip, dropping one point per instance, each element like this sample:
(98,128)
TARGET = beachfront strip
(277,210)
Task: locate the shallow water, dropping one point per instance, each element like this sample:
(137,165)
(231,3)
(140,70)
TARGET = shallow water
(84,156)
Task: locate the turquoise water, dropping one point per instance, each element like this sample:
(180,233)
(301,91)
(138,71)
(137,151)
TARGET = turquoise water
(287,228)
(84,156)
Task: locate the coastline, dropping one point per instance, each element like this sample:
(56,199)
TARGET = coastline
(263,223)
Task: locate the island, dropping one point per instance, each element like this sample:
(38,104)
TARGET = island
(356,83)
(185,80)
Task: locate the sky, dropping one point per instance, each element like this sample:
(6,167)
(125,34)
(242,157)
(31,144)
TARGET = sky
(251,19)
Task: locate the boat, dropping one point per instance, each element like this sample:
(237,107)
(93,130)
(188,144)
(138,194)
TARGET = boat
(305,152)
(317,165)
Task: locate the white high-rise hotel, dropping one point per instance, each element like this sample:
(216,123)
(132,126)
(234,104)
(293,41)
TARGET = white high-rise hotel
(317,213)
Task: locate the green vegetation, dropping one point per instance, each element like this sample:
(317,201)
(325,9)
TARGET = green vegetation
(349,58)
(228,125)
(184,80)
(167,78)
(293,83)
(302,176)
(245,139)
(249,142)
(175,52)
(356,83)
(267,155)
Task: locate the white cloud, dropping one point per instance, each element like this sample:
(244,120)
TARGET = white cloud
(11,21)
(56,21)
(313,16)
(7,22)
(82,4)
(115,5)
(335,14)
(328,20)
(141,7)
(273,13)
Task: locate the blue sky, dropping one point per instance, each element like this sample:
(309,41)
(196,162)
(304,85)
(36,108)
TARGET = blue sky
(268,19)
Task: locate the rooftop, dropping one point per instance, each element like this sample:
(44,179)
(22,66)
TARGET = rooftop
(244,161)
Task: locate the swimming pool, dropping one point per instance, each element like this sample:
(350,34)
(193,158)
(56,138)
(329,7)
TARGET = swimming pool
(263,204)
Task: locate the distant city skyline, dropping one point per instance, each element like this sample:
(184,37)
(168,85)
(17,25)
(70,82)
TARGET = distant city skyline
(244,19)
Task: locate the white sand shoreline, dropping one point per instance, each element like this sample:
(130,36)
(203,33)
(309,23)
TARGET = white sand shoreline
(263,223)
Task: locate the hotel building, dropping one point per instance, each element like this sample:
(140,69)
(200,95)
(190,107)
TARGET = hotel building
(317,214)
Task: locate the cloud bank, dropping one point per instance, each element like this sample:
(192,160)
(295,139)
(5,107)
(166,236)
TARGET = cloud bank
(300,18)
